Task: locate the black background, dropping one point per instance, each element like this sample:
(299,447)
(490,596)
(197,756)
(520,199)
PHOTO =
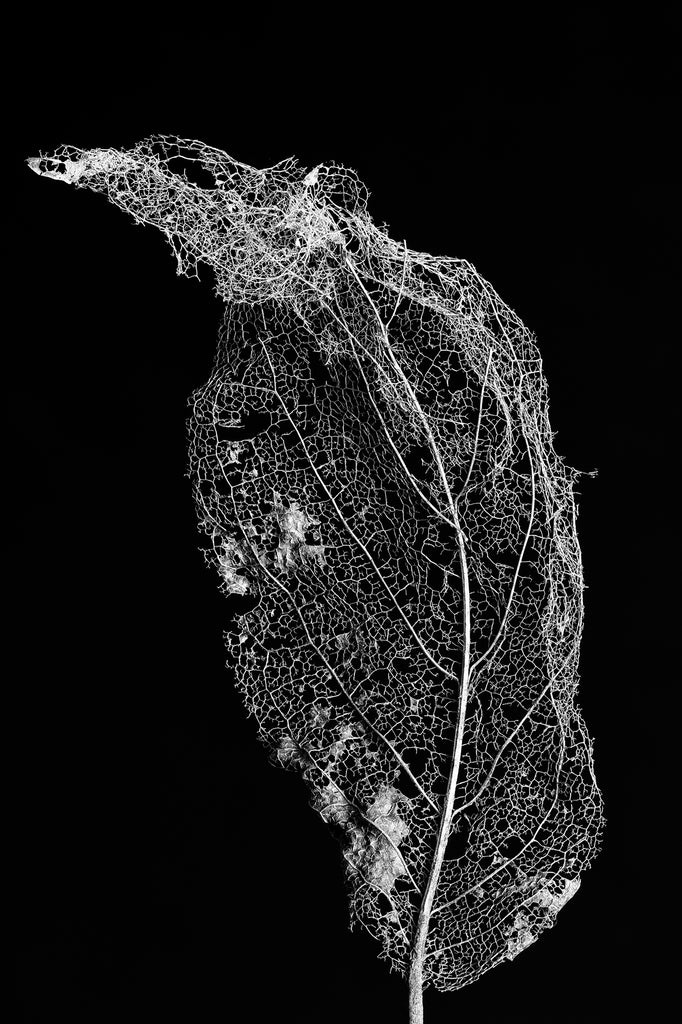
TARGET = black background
(165,871)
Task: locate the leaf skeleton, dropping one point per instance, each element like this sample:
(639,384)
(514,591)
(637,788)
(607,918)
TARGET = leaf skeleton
(407,533)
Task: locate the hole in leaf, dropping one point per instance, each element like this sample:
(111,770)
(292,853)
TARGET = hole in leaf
(318,368)
(417,459)
(511,846)
(384,903)
(253,424)
(193,171)
(459,840)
